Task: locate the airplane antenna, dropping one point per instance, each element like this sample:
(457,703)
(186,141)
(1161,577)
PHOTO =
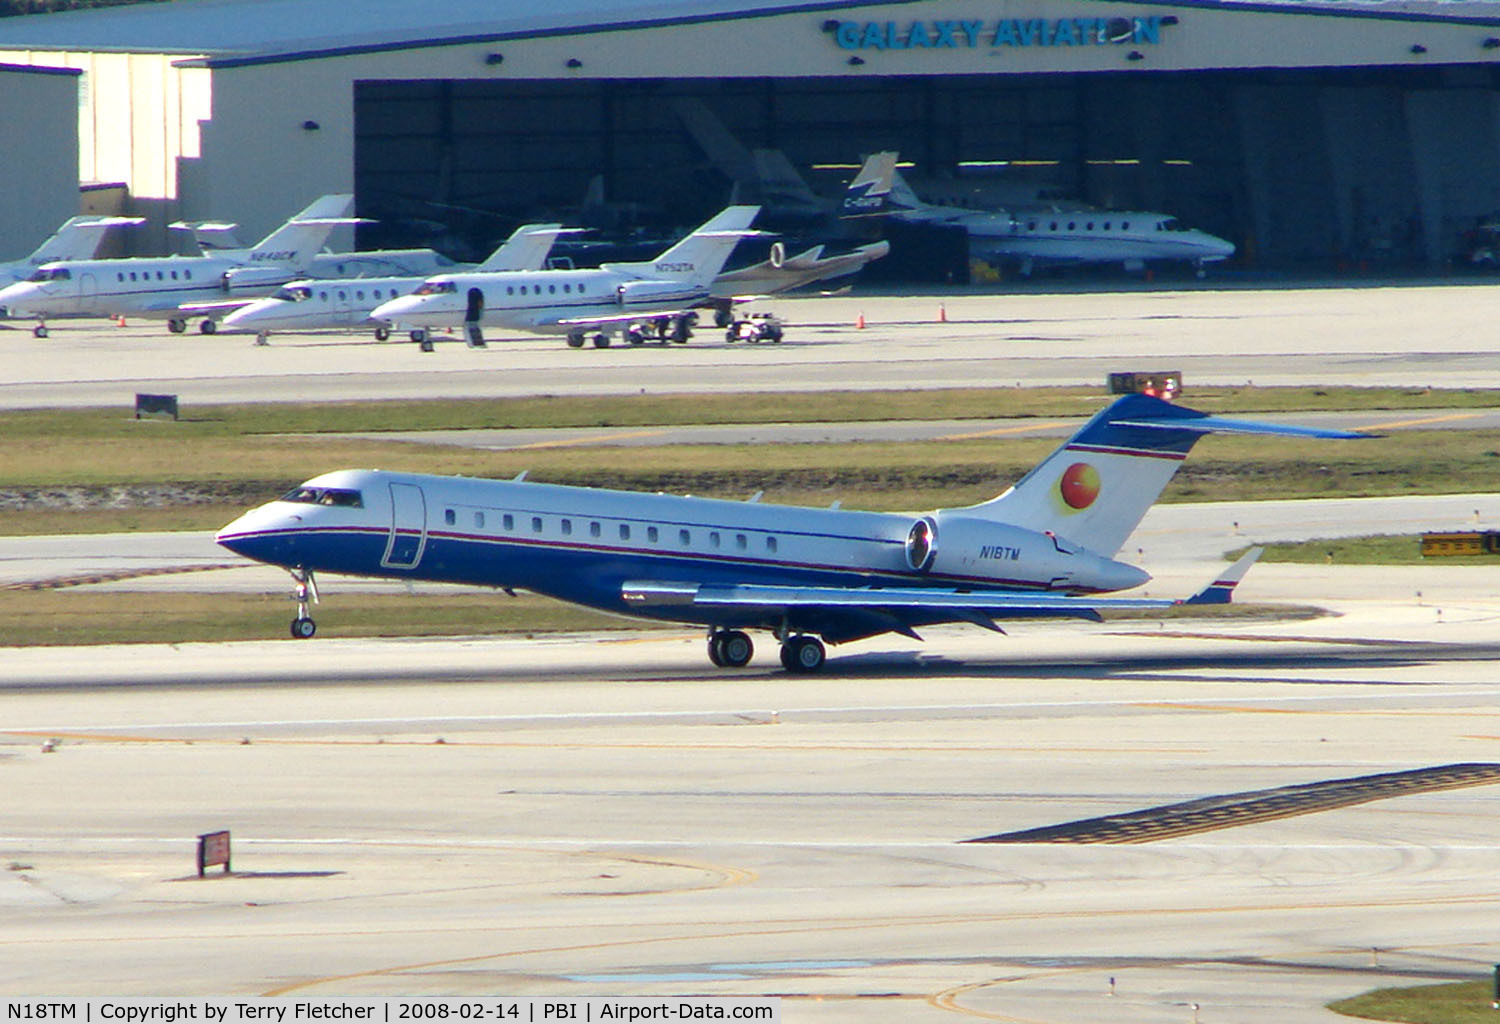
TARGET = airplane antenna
(755,497)
(519,476)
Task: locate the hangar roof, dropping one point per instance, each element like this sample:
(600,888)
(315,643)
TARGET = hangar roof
(242,28)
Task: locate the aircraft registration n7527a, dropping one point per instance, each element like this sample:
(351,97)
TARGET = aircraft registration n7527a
(1044,548)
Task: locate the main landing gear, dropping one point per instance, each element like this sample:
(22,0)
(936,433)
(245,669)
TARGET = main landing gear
(800,653)
(303,627)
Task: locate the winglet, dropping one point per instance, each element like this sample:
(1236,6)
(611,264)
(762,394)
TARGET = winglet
(1222,588)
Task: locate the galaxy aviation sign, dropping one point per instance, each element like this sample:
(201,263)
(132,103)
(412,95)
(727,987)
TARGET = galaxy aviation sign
(1015,32)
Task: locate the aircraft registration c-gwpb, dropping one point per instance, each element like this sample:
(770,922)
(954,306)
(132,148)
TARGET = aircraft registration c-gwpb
(1044,548)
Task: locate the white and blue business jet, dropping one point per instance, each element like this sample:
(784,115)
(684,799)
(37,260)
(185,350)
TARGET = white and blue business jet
(809,575)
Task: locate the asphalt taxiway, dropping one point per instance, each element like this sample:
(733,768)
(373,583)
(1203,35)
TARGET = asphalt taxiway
(589,815)
(1434,334)
(604,814)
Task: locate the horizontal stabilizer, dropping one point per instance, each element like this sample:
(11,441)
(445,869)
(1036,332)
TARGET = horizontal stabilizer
(1201,423)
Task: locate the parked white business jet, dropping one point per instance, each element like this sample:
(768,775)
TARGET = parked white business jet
(1034,237)
(318,304)
(656,298)
(1043,548)
(158,286)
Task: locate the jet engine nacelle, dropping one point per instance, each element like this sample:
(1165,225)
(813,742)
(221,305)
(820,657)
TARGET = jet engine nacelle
(969,548)
(657,293)
(255,278)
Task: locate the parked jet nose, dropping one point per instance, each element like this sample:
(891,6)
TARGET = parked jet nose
(1217,248)
(395,309)
(14,297)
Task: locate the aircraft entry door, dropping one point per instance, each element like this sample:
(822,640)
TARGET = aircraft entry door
(408,527)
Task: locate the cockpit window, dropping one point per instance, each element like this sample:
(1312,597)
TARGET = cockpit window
(52,274)
(324,496)
(436,288)
(1171,224)
(288,293)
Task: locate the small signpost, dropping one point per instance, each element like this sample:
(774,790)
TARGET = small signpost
(155,406)
(1473,542)
(213,848)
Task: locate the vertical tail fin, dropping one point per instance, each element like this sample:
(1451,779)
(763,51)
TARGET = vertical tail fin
(699,257)
(77,239)
(526,248)
(1096,488)
(299,239)
(869,194)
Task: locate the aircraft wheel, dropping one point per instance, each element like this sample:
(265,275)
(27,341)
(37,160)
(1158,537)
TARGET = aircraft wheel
(635,337)
(803,654)
(419,335)
(735,648)
(39,331)
(601,341)
(425,345)
(382,334)
(176,326)
(723,318)
(716,650)
(208,327)
(303,628)
(575,341)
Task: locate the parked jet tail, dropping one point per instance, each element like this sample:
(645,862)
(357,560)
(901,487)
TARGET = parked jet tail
(526,248)
(869,194)
(78,239)
(698,258)
(1096,488)
(299,239)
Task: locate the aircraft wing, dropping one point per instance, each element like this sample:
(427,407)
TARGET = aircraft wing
(736,595)
(217,306)
(847,613)
(773,275)
(622,318)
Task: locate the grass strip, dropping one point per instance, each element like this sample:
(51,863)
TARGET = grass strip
(79,616)
(75,486)
(669,409)
(1463,1002)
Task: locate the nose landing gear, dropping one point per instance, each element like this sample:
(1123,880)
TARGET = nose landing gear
(303,627)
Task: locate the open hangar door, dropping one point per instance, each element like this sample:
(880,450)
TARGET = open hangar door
(1297,168)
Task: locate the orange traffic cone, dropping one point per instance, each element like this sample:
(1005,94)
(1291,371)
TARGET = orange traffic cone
(859,322)
(120,321)
(942,313)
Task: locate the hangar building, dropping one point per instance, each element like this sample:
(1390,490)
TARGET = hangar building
(1305,132)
